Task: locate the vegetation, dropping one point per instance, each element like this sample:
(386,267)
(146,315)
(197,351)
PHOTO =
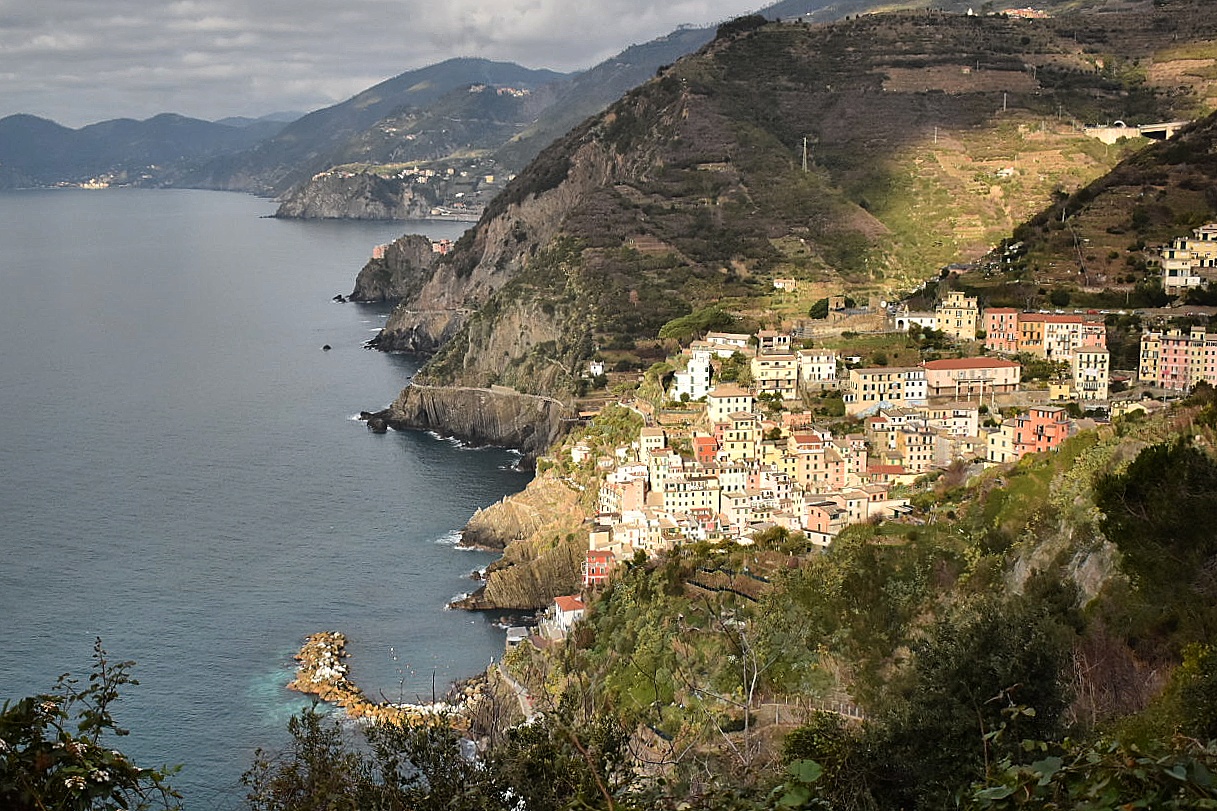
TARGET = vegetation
(55,749)
(735,676)
(696,324)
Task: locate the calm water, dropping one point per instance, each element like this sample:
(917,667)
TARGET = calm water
(180,473)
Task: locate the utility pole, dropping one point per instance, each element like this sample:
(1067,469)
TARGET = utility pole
(804,153)
(1003,101)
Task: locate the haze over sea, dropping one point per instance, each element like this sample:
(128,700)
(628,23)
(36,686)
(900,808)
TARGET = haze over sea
(180,473)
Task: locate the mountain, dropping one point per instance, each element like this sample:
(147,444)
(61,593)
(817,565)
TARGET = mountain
(591,91)
(36,151)
(399,167)
(316,142)
(372,186)
(928,137)
(497,141)
(285,117)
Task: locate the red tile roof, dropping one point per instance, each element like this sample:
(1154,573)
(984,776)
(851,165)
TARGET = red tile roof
(970,363)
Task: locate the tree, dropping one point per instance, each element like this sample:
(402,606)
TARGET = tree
(547,765)
(1150,512)
(986,667)
(55,751)
(1059,297)
(1105,774)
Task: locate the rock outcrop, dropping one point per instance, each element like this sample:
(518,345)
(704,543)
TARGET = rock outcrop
(541,533)
(397,271)
(530,575)
(356,196)
(496,416)
(322,672)
(547,504)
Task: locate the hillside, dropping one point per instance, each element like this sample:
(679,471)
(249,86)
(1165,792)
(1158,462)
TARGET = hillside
(404,139)
(38,152)
(930,136)
(316,142)
(1063,600)
(1092,248)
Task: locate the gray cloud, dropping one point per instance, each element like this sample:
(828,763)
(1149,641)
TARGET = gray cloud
(80,61)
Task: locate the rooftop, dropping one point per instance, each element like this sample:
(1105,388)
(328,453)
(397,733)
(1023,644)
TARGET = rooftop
(970,363)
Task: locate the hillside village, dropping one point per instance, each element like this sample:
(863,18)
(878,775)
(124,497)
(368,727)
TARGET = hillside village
(724,460)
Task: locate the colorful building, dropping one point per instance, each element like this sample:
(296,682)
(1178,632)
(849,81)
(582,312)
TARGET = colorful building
(966,377)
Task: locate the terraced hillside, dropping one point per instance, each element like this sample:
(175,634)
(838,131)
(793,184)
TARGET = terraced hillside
(929,136)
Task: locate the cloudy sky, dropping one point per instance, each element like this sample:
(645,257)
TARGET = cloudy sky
(80,61)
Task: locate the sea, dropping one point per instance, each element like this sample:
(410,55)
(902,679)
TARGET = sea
(183,474)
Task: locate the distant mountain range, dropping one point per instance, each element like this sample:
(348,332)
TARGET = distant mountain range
(420,117)
(38,152)
(270,155)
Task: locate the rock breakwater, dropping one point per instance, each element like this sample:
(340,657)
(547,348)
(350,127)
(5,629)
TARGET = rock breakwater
(323,672)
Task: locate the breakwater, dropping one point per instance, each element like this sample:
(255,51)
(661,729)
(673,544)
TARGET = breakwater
(323,672)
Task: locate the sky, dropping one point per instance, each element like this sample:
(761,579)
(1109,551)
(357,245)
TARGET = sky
(82,61)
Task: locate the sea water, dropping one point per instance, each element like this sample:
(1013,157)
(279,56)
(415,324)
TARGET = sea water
(182,473)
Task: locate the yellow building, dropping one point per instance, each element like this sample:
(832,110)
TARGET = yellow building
(957,316)
(776,373)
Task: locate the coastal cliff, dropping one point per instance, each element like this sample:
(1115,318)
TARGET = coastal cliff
(397,271)
(356,196)
(481,416)
(541,534)
(514,231)
(530,575)
(548,504)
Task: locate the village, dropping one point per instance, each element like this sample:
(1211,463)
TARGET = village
(744,458)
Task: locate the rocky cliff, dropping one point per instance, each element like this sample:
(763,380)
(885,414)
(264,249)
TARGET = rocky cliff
(547,504)
(356,196)
(396,272)
(523,220)
(543,541)
(530,575)
(481,416)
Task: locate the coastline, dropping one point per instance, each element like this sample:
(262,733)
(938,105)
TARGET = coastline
(323,672)
(482,417)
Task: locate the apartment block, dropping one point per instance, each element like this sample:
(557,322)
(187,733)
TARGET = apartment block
(957,316)
(868,389)
(966,377)
(1175,360)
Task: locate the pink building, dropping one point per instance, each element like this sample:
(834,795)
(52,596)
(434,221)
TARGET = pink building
(704,448)
(597,567)
(1001,329)
(964,377)
(1043,428)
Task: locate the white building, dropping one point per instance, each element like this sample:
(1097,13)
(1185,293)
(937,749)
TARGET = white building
(1091,374)
(1190,261)
(817,368)
(692,382)
(726,399)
